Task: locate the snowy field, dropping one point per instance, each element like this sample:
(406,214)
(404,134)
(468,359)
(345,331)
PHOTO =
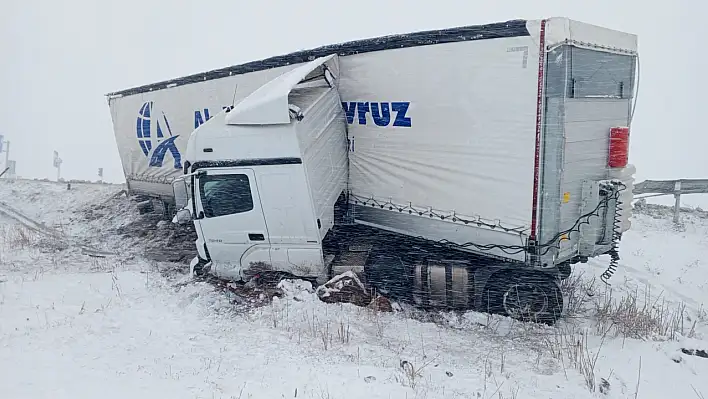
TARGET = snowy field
(89,310)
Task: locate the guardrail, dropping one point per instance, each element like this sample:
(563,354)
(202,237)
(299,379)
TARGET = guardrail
(655,188)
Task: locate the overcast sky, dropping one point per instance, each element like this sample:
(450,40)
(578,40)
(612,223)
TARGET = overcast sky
(59,58)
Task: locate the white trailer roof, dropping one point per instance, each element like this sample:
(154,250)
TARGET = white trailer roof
(495,30)
(560,30)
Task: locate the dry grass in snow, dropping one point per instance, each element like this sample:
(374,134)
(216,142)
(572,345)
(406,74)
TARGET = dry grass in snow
(86,327)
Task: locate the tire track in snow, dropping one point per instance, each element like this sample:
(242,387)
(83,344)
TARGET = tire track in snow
(648,280)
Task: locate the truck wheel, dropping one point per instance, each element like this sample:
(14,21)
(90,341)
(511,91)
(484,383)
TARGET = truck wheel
(197,266)
(533,297)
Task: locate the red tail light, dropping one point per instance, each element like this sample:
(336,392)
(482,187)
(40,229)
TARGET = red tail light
(619,147)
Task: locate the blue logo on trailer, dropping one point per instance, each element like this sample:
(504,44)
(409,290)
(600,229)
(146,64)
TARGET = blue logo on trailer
(200,118)
(382,113)
(144,129)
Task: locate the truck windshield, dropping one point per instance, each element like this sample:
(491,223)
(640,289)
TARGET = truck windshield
(225,194)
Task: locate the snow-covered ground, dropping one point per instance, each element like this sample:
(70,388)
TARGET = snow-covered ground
(126,325)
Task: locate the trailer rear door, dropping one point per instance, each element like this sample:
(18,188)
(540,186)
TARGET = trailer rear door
(588,92)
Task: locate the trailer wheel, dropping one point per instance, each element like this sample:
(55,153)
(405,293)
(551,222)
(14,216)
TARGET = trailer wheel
(533,297)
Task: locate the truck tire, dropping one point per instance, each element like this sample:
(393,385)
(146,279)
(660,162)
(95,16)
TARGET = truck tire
(197,267)
(524,295)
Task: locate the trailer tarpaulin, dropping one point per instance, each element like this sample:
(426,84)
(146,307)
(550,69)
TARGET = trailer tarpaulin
(459,141)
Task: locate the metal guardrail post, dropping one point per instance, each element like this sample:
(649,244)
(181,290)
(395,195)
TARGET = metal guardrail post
(677,205)
(672,187)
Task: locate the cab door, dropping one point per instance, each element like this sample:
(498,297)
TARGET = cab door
(230,216)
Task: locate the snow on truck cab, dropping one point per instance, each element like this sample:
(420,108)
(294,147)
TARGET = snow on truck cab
(467,167)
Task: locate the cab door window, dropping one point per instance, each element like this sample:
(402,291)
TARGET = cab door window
(225,194)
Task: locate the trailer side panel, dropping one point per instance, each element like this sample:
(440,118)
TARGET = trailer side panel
(457,146)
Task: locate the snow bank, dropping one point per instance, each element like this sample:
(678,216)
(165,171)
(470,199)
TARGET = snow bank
(74,326)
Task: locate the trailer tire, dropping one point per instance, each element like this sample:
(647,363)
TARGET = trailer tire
(524,295)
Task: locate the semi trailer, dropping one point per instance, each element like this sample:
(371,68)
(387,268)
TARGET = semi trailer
(464,168)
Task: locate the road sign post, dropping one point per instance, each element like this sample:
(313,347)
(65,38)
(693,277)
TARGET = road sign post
(5,147)
(57,164)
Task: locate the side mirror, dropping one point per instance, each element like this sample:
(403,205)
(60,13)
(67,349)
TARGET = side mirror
(182,216)
(179,188)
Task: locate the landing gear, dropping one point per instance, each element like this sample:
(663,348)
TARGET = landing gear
(525,296)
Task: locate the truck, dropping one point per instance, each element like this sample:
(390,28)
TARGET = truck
(459,168)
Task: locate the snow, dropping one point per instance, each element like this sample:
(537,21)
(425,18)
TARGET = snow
(125,326)
(50,201)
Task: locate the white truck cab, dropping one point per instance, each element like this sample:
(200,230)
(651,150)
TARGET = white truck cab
(261,179)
